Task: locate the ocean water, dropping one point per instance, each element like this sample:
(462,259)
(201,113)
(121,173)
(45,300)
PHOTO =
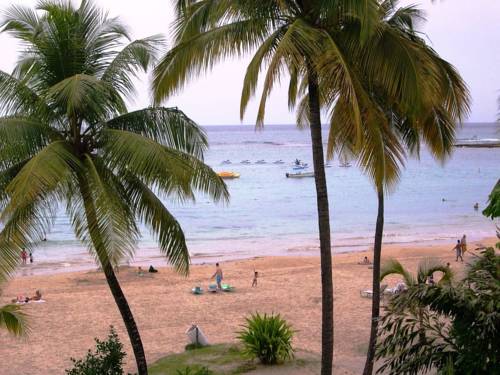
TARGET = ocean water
(269,214)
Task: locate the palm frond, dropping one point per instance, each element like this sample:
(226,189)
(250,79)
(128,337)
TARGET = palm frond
(394,267)
(14,320)
(167,126)
(138,55)
(101,215)
(151,211)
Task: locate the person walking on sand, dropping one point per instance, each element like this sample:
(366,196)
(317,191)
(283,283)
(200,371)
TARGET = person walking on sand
(458,251)
(24,256)
(255,277)
(31,257)
(463,242)
(218,276)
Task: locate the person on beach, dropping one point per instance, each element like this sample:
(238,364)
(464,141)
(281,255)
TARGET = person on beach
(430,280)
(24,256)
(458,251)
(365,261)
(476,206)
(255,277)
(31,257)
(463,242)
(152,269)
(218,276)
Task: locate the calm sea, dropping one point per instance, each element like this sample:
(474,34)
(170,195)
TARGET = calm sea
(272,215)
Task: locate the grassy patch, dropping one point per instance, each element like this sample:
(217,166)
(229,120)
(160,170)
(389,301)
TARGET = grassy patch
(224,359)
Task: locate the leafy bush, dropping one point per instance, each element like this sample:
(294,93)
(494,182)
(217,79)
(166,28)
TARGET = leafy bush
(459,325)
(268,338)
(190,371)
(106,360)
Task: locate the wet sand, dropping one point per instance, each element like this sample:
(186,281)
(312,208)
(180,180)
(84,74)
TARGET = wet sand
(79,307)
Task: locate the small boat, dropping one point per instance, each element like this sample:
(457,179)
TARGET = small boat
(299,174)
(279,162)
(246,162)
(228,175)
(345,164)
(300,167)
(260,162)
(226,162)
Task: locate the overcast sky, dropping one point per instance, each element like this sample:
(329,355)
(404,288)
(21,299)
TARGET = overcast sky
(465,32)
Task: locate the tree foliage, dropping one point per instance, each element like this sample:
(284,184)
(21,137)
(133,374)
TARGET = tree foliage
(67,139)
(460,322)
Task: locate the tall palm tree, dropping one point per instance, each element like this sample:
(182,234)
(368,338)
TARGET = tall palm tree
(296,37)
(67,140)
(407,103)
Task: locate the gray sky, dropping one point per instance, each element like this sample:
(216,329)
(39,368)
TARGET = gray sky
(465,32)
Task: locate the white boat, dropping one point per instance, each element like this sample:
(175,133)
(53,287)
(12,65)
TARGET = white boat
(246,162)
(226,162)
(299,174)
(345,164)
(279,162)
(260,162)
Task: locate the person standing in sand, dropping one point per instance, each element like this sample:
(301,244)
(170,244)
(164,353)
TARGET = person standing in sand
(218,276)
(255,277)
(458,251)
(463,242)
(24,256)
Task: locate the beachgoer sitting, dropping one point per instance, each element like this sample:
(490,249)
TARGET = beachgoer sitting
(400,287)
(152,269)
(20,299)
(255,277)
(37,296)
(430,280)
(140,272)
(365,261)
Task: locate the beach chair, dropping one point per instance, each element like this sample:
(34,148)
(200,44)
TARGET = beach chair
(212,288)
(369,293)
(197,290)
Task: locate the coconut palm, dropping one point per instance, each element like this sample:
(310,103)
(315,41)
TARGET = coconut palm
(13,319)
(406,103)
(68,141)
(292,39)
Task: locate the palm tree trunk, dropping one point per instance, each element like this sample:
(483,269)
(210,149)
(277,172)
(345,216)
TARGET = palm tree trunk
(324,225)
(377,252)
(114,285)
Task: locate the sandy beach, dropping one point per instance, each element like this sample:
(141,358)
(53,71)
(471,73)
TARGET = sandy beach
(80,307)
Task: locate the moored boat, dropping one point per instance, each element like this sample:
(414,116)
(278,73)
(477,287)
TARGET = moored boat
(228,175)
(299,174)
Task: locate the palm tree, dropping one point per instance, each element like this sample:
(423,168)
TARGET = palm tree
(293,36)
(67,140)
(405,104)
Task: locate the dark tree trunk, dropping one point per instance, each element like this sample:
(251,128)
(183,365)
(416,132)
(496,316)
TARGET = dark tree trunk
(324,225)
(377,252)
(114,285)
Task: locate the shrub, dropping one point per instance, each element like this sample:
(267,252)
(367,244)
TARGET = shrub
(268,338)
(106,360)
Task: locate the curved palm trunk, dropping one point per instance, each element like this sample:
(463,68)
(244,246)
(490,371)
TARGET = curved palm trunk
(377,251)
(324,225)
(114,285)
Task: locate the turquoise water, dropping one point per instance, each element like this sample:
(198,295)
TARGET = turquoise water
(272,215)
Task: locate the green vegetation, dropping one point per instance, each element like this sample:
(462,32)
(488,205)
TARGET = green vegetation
(227,359)
(67,140)
(454,330)
(13,319)
(493,209)
(222,359)
(106,359)
(268,338)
